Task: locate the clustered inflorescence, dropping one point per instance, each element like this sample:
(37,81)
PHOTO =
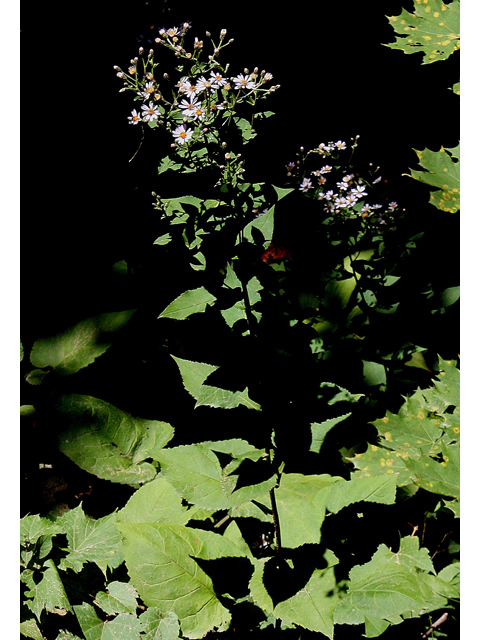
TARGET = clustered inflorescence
(340,192)
(202,94)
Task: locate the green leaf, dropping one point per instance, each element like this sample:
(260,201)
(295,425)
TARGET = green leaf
(48,594)
(248,132)
(433,29)
(166,164)
(29,629)
(438,477)
(442,171)
(193,301)
(312,607)
(156,626)
(193,376)
(320,430)
(90,540)
(121,598)
(195,472)
(449,296)
(379,489)
(264,223)
(374,627)
(78,346)
(108,442)
(165,239)
(301,502)
(160,563)
(27,410)
(391,584)
(282,193)
(125,626)
(156,501)
(257,590)
(33,527)
(374,373)
(456,88)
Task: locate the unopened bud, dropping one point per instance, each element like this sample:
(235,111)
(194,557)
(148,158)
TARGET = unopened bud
(227,156)
(223,33)
(246,71)
(208,34)
(140,51)
(166,76)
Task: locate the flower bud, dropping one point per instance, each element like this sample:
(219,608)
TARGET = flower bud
(227,156)
(140,51)
(223,33)
(157,40)
(208,34)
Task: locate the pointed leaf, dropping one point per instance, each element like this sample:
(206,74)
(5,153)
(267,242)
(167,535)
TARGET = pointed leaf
(165,239)
(379,489)
(442,171)
(121,598)
(312,607)
(89,540)
(433,29)
(193,301)
(78,346)
(320,430)
(33,527)
(264,223)
(29,629)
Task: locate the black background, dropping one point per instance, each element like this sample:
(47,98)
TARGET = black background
(84,206)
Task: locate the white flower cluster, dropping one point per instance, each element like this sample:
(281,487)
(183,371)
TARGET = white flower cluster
(347,193)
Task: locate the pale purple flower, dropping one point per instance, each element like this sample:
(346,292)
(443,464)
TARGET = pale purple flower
(244,82)
(306,185)
(204,85)
(135,118)
(340,145)
(217,79)
(326,169)
(182,135)
(359,192)
(150,113)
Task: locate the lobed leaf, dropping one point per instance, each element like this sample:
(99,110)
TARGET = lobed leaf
(125,626)
(156,626)
(379,489)
(49,593)
(442,170)
(121,598)
(433,29)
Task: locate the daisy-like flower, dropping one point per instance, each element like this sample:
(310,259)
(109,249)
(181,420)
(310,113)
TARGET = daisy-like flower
(182,135)
(325,148)
(341,203)
(187,86)
(135,118)
(359,192)
(267,77)
(244,82)
(350,200)
(322,180)
(340,145)
(188,108)
(217,79)
(392,206)
(198,44)
(306,185)
(204,85)
(321,195)
(150,113)
(329,195)
(376,206)
(343,186)
(326,169)
(290,166)
(148,89)
(171,33)
(317,173)
(377,180)
(366,208)
(198,113)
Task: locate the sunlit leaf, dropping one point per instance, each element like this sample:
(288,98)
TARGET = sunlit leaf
(193,301)
(442,170)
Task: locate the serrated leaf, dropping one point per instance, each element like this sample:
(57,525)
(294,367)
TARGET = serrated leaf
(301,503)
(257,589)
(391,584)
(320,430)
(49,593)
(312,607)
(195,472)
(125,626)
(189,302)
(29,629)
(121,598)
(161,567)
(90,540)
(78,346)
(194,375)
(108,442)
(157,501)
(156,626)
(33,527)
(433,29)
(438,477)
(379,489)
(442,170)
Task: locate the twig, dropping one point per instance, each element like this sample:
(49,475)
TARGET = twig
(435,625)
(141,142)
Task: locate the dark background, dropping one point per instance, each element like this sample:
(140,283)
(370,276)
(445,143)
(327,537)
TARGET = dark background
(84,206)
